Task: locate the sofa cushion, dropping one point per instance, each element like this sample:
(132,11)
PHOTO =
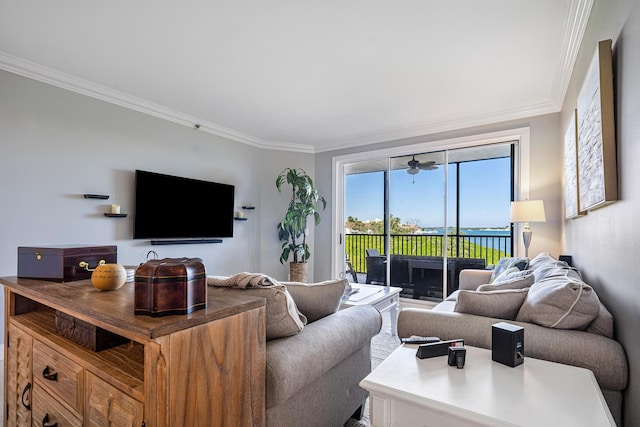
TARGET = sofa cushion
(499,304)
(510,279)
(317,300)
(603,323)
(562,302)
(506,263)
(282,318)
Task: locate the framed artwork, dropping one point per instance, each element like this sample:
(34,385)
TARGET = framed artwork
(597,168)
(571,196)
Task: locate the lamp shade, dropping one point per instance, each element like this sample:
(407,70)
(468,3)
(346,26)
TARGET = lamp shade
(527,211)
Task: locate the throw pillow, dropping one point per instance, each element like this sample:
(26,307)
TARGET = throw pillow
(560,302)
(317,300)
(541,258)
(510,279)
(498,304)
(506,263)
(282,318)
(602,324)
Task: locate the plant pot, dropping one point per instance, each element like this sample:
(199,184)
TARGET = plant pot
(298,271)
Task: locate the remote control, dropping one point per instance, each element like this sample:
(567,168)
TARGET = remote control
(419,340)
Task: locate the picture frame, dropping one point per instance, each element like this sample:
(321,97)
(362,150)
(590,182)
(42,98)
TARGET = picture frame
(571,194)
(596,146)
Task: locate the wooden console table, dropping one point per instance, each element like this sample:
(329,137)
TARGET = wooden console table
(206,368)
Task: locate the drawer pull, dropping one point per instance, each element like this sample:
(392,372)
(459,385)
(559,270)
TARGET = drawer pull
(24,392)
(45,422)
(49,374)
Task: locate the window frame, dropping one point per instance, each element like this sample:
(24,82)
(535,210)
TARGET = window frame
(519,136)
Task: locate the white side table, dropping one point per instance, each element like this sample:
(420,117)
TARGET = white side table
(407,391)
(381,297)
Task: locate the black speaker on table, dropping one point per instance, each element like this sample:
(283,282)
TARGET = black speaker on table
(507,344)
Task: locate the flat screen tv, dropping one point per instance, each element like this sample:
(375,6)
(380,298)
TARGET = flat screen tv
(172,207)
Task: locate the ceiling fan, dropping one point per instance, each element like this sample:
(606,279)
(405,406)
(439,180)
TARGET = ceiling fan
(414,166)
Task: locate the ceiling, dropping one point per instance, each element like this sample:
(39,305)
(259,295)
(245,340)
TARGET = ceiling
(302,75)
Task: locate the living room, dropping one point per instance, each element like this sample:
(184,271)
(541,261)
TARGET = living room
(58,144)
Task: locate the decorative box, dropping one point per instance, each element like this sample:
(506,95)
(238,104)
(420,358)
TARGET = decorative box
(86,334)
(62,263)
(170,286)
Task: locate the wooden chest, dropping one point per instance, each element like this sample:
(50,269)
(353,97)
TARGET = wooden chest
(62,263)
(170,286)
(86,334)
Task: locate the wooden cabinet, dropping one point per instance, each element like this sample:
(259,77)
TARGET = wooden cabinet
(206,368)
(18,379)
(107,406)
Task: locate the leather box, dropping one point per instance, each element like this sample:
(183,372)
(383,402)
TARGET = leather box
(170,286)
(86,334)
(61,263)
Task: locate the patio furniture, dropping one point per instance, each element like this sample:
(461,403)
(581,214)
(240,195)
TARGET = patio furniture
(376,267)
(431,268)
(350,270)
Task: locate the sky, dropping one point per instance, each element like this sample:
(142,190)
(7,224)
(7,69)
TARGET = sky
(485,194)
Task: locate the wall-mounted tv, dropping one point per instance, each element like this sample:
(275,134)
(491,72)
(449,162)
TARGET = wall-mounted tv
(173,207)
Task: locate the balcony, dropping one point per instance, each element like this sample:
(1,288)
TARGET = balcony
(417,260)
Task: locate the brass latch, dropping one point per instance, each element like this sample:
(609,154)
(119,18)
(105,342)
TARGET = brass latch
(85,265)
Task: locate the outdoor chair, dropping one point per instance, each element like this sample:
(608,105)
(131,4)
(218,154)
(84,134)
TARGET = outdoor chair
(350,270)
(376,267)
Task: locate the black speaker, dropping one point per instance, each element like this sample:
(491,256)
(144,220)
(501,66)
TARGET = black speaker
(507,344)
(567,258)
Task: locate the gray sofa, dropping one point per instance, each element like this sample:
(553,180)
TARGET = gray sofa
(592,347)
(313,377)
(316,354)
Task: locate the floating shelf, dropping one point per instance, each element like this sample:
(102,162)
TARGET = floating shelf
(112,215)
(240,219)
(96,196)
(248,207)
(184,241)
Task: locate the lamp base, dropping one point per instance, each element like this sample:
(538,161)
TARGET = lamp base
(526,238)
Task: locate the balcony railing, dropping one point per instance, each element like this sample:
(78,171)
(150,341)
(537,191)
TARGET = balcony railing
(488,246)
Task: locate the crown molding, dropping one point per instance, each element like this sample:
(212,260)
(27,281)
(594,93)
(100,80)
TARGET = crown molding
(579,12)
(578,16)
(50,76)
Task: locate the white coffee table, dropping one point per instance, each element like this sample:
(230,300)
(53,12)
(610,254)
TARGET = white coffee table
(407,391)
(381,297)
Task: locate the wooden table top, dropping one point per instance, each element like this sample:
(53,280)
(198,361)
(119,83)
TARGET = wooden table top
(114,310)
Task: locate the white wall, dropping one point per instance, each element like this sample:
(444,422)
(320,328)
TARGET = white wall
(274,206)
(544,180)
(57,145)
(604,243)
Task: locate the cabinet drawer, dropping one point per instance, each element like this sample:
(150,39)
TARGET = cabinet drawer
(58,375)
(48,412)
(108,406)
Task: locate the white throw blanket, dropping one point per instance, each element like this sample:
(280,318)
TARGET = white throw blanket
(242,280)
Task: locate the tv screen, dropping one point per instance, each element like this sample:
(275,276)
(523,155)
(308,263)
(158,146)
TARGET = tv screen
(172,207)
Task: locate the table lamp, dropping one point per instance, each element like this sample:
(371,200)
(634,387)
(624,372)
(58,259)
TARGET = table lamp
(527,211)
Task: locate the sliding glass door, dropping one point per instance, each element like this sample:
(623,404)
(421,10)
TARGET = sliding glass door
(418,205)
(416,220)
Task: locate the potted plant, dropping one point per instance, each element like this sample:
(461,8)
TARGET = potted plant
(292,228)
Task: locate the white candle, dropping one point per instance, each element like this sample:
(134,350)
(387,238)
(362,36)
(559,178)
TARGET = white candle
(239,214)
(115,209)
